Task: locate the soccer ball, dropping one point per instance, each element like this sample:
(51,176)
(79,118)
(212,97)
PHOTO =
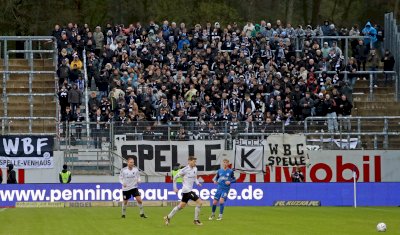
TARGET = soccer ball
(381,227)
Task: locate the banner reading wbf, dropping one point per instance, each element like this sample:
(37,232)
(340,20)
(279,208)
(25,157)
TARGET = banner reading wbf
(241,194)
(26,151)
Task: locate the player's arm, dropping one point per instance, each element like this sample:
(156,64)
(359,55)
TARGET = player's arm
(233,178)
(197,182)
(139,179)
(216,177)
(121,178)
(180,173)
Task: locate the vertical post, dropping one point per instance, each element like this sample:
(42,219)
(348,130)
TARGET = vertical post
(305,126)
(55,65)
(346,55)
(31,68)
(385,130)
(375,142)
(396,86)
(4,121)
(86,92)
(371,86)
(355,188)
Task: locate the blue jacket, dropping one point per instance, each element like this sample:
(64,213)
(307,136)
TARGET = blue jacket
(181,42)
(371,32)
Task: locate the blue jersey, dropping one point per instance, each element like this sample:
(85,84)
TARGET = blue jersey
(222,176)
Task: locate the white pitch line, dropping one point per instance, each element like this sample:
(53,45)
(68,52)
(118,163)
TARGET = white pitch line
(2,209)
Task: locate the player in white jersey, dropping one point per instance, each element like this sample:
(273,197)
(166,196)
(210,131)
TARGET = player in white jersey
(189,175)
(129,177)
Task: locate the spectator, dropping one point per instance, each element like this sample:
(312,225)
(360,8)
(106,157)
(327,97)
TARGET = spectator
(11,176)
(297,176)
(63,72)
(373,60)
(74,97)
(76,62)
(99,39)
(330,107)
(388,64)
(361,54)
(344,110)
(371,33)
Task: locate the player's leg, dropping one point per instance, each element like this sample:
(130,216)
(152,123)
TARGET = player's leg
(140,204)
(126,195)
(197,209)
(221,207)
(214,206)
(177,208)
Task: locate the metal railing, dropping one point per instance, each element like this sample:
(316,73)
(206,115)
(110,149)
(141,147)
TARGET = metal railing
(29,53)
(370,132)
(392,42)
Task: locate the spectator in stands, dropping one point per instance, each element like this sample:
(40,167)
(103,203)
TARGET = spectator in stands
(148,134)
(361,54)
(66,118)
(373,60)
(260,76)
(99,40)
(388,64)
(1,176)
(97,125)
(330,107)
(344,110)
(371,33)
(65,175)
(306,103)
(74,97)
(63,99)
(78,118)
(63,72)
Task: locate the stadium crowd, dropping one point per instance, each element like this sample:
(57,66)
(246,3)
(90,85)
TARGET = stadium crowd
(251,74)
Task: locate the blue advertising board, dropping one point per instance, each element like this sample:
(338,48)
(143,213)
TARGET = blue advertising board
(241,194)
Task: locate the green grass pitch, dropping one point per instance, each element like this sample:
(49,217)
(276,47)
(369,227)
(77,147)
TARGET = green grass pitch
(237,220)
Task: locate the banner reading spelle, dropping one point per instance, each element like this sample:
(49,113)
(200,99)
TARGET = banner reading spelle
(26,152)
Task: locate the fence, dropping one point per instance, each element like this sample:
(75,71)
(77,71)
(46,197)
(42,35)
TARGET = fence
(351,132)
(392,41)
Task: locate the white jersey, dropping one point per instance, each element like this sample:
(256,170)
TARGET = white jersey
(130,178)
(189,176)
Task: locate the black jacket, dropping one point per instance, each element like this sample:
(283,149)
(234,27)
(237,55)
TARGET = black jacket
(11,176)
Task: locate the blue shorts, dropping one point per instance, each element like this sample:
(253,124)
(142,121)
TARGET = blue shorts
(221,194)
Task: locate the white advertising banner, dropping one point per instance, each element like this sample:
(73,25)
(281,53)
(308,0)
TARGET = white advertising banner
(274,164)
(159,157)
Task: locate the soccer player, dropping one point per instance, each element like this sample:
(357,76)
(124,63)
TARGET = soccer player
(130,178)
(189,175)
(224,178)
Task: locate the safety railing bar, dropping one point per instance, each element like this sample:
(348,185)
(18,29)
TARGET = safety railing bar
(23,38)
(33,94)
(30,51)
(27,72)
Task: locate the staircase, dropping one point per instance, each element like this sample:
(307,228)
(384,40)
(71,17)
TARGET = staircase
(16,98)
(383,104)
(90,162)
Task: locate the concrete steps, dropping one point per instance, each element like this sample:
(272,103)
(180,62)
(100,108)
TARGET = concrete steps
(19,106)
(89,163)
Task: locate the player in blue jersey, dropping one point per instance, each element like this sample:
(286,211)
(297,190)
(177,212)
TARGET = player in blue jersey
(224,178)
